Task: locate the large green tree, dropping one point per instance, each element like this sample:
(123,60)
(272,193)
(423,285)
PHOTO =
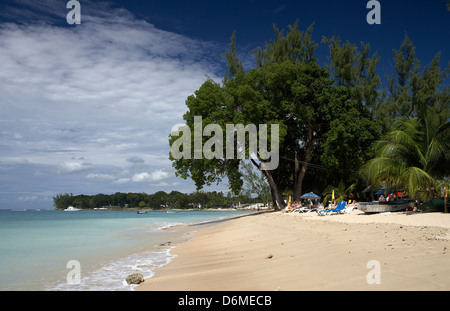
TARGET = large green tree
(413,90)
(414,153)
(286,88)
(355,69)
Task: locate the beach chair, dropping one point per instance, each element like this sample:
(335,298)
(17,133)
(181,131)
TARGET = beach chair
(338,209)
(349,208)
(324,211)
(302,209)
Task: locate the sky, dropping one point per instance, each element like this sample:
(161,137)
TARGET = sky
(87,108)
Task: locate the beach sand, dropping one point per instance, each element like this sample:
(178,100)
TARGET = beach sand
(292,251)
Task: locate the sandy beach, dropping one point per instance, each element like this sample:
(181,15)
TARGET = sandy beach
(295,251)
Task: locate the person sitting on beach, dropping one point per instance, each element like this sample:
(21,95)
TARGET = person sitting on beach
(381,198)
(296,205)
(291,207)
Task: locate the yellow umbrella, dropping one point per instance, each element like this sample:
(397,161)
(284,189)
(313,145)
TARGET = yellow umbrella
(332,197)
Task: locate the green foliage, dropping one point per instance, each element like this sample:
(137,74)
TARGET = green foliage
(413,156)
(412,91)
(157,200)
(356,70)
(414,152)
(233,63)
(348,145)
(287,88)
(255,183)
(329,118)
(296,47)
(341,193)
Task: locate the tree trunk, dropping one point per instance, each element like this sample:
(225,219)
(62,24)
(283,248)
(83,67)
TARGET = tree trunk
(275,191)
(277,196)
(299,183)
(274,201)
(300,171)
(297,188)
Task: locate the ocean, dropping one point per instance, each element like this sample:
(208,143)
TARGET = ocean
(53,250)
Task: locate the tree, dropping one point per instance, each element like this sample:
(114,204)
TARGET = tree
(295,47)
(347,145)
(159,199)
(286,88)
(413,156)
(62,201)
(119,199)
(255,183)
(412,91)
(340,192)
(356,70)
(178,200)
(299,98)
(414,153)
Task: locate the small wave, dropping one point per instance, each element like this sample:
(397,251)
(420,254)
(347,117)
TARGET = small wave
(111,276)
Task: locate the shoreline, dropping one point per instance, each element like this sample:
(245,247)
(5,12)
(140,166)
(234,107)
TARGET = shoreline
(291,251)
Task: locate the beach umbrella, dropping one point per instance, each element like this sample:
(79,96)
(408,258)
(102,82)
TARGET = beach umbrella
(382,191)
(310,195)
(332,196)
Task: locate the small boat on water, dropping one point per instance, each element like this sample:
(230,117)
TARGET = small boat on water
(142,212)
(383,207)
(72,209)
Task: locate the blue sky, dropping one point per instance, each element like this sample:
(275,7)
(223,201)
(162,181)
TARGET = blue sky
(88,108)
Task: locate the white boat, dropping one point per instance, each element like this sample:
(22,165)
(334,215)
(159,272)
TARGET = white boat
(383,207)
(72,209)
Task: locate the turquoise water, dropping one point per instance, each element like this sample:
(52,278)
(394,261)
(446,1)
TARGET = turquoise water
(36,246)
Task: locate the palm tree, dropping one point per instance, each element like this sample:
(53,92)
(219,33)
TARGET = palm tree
(414,156)
(340,192)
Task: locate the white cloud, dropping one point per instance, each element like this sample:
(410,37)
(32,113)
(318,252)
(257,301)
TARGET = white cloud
(109,90)
(28,198)
(154,176)
(122,181)
(100,177)
(72,167)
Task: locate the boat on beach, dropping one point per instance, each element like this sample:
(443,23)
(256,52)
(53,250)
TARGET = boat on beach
(435,205)
(383,207)
(72,209)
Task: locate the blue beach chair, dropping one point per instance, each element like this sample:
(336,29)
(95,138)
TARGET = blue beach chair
(340,207)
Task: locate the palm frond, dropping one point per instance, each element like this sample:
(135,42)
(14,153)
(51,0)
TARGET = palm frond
(415,179)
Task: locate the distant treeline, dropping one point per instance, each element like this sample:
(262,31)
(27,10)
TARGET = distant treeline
(158,200)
